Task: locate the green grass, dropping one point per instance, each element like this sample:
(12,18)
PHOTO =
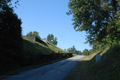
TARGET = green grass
(107,69)
(26,59)
(34,47)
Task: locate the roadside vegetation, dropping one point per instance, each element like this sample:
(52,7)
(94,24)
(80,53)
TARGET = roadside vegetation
(25,61)
(101,21)
(106,69)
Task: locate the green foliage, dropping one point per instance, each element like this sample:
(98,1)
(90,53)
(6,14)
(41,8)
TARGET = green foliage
(10,38)
(91,51)
(72,49)
(114,29)
(10,24)
(93,16)
(78,52)
(10,31)
(106,69)
(8,3)
(69,50)
(33,34)
(50,38)
(86,52)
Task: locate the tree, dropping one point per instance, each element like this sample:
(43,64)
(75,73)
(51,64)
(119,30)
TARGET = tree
(93,16)
(8,3)
(85,52)
(55,41)
(10,25)
(114,29)
(76,52)
(10,37)
(72,49)
(65,50)
(33,34)
(51,39)
(79,52)
(91,51)
(69,50)
(30,34)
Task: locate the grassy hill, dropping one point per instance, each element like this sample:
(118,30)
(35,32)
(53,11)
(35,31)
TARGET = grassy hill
(34,47)
(25,60)
(107,69)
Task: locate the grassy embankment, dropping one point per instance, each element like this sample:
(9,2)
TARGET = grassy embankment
(30,49)
(107,69)
(34,47)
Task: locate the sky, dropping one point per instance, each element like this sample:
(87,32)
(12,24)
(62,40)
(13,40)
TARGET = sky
(49,17)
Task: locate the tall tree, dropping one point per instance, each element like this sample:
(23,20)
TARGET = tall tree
(69,50)
(10,36)
(50,38)
(85,52)
(73,49)
(10,25)
(79,52)
(55,41)
(93,16)
(8,3)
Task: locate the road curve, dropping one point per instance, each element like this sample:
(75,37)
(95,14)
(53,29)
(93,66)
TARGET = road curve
(55,71)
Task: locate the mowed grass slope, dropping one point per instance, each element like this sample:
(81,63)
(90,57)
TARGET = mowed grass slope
(107,69)
(34,47)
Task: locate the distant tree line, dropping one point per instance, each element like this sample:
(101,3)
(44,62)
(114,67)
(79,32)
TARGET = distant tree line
(73,50)
(78,52)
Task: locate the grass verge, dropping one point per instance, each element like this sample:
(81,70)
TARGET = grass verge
(107,69)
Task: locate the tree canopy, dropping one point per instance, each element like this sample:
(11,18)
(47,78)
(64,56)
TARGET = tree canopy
(33,34)
(85,52)
(96,17)
(8,3)
(74,50)
(52,39)
(10,31)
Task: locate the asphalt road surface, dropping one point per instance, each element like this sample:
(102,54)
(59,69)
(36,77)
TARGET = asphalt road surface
(55,71)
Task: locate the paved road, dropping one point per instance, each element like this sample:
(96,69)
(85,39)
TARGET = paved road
(55,71)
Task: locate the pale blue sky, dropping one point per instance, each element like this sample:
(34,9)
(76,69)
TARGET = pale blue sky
(49,17)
